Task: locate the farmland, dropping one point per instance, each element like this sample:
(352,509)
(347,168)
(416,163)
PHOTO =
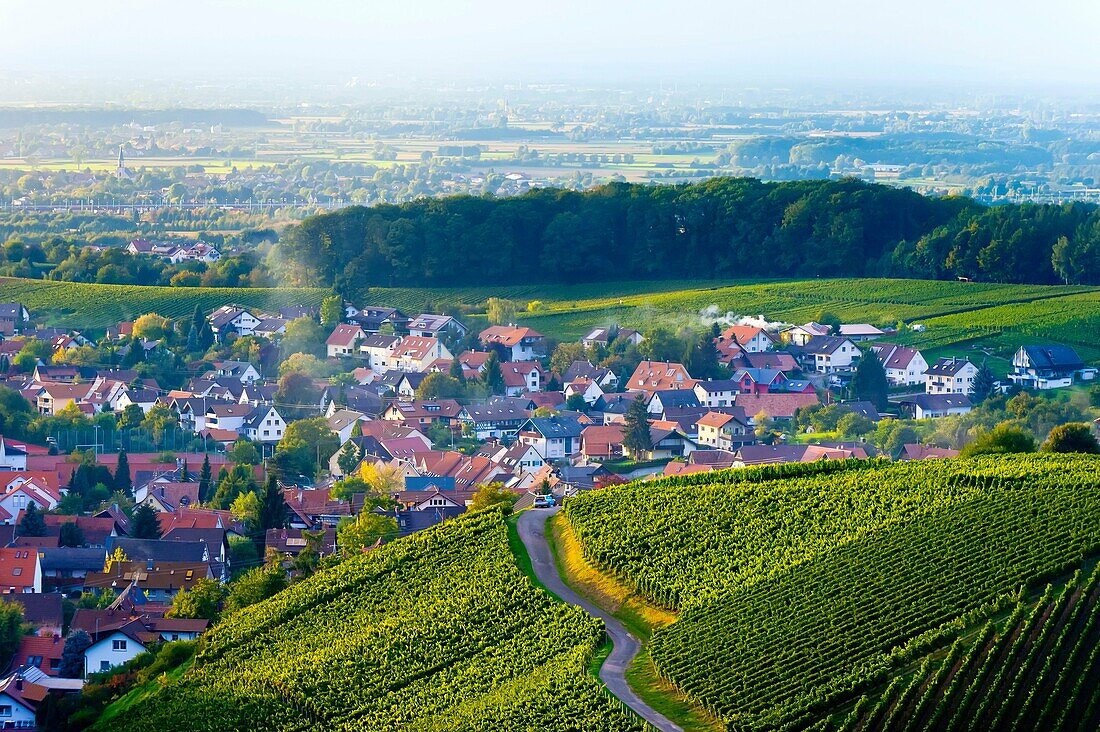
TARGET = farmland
(437,631)
(958,316)
(95,307)
(787,613)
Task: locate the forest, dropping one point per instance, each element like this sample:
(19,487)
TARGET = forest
(725,228)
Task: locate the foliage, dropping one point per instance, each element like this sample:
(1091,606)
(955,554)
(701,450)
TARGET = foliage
(72,655)
(439,386)
(490,495)
(255,585)
(32,523)
(203,601)
(1004,438)
(244,452)
(122,479)
(246,509)
(500,311)
(306,446)
(144,524)
(332,311)
(348,459)
(439,630)
(362,532)
(1073,437)
(869,381)
(151,326)
(273,512)
(70,534)
(491,376)
(11,627)
(238,481)
(636,433)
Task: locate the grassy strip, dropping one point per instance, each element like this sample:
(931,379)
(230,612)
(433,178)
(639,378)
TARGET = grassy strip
(639,617)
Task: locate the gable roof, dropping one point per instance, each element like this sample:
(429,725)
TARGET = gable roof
(894,356)
(507,335)
(826,344)
(1055,357)
(344,335)
(775,405)
(660,376)
(948,366)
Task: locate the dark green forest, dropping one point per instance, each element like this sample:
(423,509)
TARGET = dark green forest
(727,227)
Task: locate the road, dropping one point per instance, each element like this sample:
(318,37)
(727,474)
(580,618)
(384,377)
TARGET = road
(532,530)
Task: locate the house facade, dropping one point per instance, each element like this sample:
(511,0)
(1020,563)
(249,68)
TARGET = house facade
(950,376)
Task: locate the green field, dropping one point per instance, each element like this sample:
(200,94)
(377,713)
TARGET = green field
(96,307)
(960,318)
(437,631)
(804,589)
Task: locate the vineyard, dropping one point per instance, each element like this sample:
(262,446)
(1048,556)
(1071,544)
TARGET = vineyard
(92,307)
(804,587)
(437,631)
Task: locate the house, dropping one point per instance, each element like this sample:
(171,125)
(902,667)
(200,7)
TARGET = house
(925,406)
(521,377)
(12,456)
(751,339)
(44,612)
(417,353)
(831,354)
(1046,367)
(116,647)
(379,350)
(263,424)
(406,383)
(428,325)
(588,390)
(602,442)
(516,343)
(950,376)
(232,319)
(776,405)
(604,378)
(344,423)
(729,353)
(903,366)
(20,570)
(160,581)
(227,416)
(859,332)
(758,381)
(20,489)
(661,401)
(64,568)
(800,335)
(52,398)
(717,392)
(520,458)
(13,316)
(423,414)
(342,342)
(725,430)
(604,336)
(669,441)
(554,437)
(916,451)
(499,418)
(776,360)
(241,371)
(40,652)
(270,328)
(375,319)
(16,710)
(653,376)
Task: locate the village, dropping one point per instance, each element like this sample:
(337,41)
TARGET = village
(416,416)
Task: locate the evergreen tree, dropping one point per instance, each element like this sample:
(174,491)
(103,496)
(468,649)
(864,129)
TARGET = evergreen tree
(636,434)
(701,358)
(72,656)
(193,341)
(144,524)
(185,474)
(204,480)
(273,511)
(456,370)
(32,523)
(982,388)
(71,535)
(122,481)
(349,458)
(198,320)
(492,377)
(869,382)
(206,336)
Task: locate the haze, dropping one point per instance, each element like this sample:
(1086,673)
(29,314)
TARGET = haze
(996,44)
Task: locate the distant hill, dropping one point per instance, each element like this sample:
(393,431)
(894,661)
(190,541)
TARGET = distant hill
(22,117)
(721,228)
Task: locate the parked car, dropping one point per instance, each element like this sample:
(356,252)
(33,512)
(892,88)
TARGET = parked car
(544,502)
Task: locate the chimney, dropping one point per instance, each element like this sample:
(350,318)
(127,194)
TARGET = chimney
(19,684)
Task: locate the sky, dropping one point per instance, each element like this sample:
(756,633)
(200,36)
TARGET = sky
(591,41)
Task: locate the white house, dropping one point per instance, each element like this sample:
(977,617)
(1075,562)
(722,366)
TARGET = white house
(554,437)
(341,342)
(521,344)
(12,456)
(717,392)
(749,338)
(379,350)
(344,423)
(903,366)
(231,318)
(242,371)
(832,354)
(927,406)
(589,390)
(15,713)
(263,424)
(114,649)
(417,353)
(950,376)
(860,332)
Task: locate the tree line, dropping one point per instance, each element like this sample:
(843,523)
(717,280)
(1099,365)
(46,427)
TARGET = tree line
(729,227)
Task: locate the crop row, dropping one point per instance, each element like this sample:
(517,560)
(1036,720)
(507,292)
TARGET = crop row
(439,630)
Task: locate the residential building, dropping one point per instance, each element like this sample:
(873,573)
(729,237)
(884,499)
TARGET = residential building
(661,401)
(428,325)
(1047,367)
(232,319)
(603,336)
(749,338)
(717,392)
(859,332)
(20,570)
(516,342)
(926,406)
(653,376)
(950,376)
(12,455)
(263,424)
(344,339)
(379,350)
(903,366)
(831,354)
(417,353)
(13,316)
(800,335)
(521,377)
(555,438)
(725,431)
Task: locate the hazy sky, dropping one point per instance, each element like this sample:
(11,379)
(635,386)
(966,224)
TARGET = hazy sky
(1007,42)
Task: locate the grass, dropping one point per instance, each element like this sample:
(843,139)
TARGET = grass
(139,693)
(639,616)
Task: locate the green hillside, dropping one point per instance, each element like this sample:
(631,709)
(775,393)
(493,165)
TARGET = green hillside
(438,631)
(803,588)
(93,307)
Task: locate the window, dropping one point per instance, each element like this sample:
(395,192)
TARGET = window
(175,636)
(55,663)
(16,571)
(104,665)
(34,660)
(118,645)
(5,710)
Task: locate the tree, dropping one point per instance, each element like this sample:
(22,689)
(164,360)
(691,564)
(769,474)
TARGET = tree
(273,509)
(983,385)
(349,458)
(456,372)
(246,509)
(205,483)
(869,381)
(576,403)
(237,481)
(70,535)
(826,317)
(32,523)
(72,655)
(1004,438)
(296,395)
(1072,437)
(356,535)
(144,524)
(853,424)
(123,483)
(202,601)
(500,311)
(306,561)
(198,320)
(304,363)
(303,335)
(152,327)
(636,433)
(763,422)
(491,376)
(244,452)
(701,358)
(439,386)
(332,311)
(306,446)
(255,585)
(114,558)
(493,494)
(564,356)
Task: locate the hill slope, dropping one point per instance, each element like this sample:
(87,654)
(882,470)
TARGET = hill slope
(438,631)
(804,587)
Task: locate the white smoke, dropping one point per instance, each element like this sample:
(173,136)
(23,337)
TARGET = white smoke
(712,314)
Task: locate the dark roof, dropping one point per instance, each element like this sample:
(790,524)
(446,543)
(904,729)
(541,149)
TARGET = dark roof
(557,426)
(862,408)
(947,367)
(158,550)
(937,402)
(1061,358)
(409,522)
(825,344)
(67,558)
(713,386)
(672,398)
(42,609)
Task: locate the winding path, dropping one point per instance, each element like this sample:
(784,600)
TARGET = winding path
(532,530)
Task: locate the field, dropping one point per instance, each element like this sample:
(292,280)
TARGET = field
(95,307)
(437,631)
(802,589)
(960,318)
